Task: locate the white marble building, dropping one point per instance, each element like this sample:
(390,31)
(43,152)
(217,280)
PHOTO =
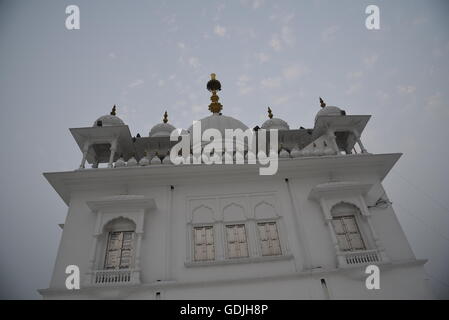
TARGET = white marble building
(143,228)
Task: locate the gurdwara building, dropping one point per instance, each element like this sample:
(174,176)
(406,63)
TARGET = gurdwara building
(141,227)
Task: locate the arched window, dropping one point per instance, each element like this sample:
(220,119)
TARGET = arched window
(120,244)
(344,221)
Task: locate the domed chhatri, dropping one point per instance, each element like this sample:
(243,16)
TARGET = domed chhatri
(329,110)
(274,123)
(109,120)
(163,129)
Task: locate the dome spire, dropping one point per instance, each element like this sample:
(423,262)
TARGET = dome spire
(165,120)
(213,85)
(322,103)
(270,114)
(113,113)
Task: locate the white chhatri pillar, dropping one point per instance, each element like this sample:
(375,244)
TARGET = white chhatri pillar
(357,138)
(331,135)
(113,149)
(85,150)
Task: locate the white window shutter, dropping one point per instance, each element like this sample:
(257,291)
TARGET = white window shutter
(119,250)
(343,242)
(236,241)
(269,239)
(348,234)
(338,226)
(203,243)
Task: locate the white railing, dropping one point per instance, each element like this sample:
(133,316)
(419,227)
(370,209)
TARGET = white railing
(360,257)
(112,276)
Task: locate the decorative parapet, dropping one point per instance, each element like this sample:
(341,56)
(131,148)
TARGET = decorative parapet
(353,258)
(115,277)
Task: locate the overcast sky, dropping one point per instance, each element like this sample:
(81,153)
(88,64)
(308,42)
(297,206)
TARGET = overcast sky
(152,56)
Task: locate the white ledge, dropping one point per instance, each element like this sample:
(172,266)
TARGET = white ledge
(121,201)
(190,264)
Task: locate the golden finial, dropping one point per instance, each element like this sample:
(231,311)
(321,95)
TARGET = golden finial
(213,86)
(270,114)
(165,120)
(113,111)
(322,103)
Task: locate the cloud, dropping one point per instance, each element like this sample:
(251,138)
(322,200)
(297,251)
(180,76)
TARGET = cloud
(406,89)
(370,60)
(262,57)
(435,105)
(242,83)
(382,95)
(275,43)
(329,33)
(271,82)
(255,4)
(287,36)
(294,71)
(197,108)
(419,20)
(136,83)
(353,88)
(220,31)
(112,55)
(161,83)
(280,100)
(194,62)
(354,75)
(181,45)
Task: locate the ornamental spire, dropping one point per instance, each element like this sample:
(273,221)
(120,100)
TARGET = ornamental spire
(270,114)
(322,103)
(213,86)
(113,111)
(165,120)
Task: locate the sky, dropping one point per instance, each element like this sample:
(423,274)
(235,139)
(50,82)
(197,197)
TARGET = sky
(150,56)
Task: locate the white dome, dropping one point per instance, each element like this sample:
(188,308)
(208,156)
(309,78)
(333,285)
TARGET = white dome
(220,122)
(109,120)
(275,123)
(329,111)
(161,130)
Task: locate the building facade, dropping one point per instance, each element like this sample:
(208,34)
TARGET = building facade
(140,227)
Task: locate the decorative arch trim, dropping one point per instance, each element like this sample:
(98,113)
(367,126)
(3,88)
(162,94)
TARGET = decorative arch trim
(111,220)
(230,205)
(345,203)
(208,218)
(262,203)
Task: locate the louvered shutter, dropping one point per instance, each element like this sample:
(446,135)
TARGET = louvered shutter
(204,243)
(269,239)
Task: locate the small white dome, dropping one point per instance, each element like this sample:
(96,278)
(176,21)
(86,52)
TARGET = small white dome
(295,153)
(144,161)
(284,154)
(329,111)
(161,130)
(108,120)
(167,160)
(120,163)
(275,123)
(155,160)
(132,162)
